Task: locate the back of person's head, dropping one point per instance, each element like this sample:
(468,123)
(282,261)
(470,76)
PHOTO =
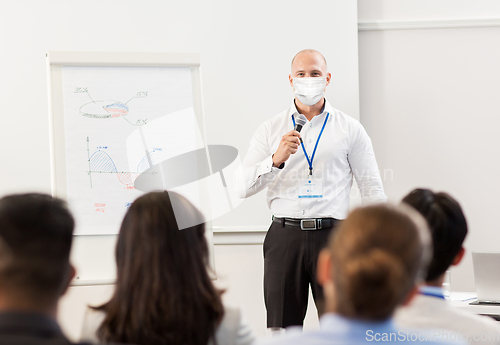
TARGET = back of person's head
(447,225)
(164,294)
(377,254)
(36,232)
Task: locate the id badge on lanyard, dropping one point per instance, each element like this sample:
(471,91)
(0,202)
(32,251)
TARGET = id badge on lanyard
(311,187)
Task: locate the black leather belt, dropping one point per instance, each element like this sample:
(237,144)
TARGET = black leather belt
(307,223)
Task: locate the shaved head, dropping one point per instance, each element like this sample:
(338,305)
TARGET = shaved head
(309,51)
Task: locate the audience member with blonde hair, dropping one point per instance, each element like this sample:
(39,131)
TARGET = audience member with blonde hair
(369,268)
(164,294)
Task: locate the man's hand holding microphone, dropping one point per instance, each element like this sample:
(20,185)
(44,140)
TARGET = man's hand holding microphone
(289,143)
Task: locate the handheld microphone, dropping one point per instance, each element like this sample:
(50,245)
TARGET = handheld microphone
(300,121)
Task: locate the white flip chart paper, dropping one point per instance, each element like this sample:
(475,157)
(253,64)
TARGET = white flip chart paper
(120,122)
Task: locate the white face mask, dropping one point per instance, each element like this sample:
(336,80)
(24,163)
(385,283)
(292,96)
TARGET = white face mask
(309,91)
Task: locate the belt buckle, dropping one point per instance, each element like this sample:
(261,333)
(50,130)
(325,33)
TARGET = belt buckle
(308,224)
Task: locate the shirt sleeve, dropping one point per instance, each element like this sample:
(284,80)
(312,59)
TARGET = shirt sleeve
(233,330)
(364,166)
(92,320)
(245,335)
(256,171)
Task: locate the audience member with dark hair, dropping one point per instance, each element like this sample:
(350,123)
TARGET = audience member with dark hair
(164,294)
(36,232)
(370,267)
(429,308)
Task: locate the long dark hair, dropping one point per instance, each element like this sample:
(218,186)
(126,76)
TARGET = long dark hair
(164,294)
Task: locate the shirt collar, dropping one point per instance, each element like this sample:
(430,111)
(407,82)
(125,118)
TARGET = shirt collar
(434,291)
(341,325)
(326,108)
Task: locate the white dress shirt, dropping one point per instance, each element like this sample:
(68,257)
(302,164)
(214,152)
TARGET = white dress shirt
(425,311)
(344,151)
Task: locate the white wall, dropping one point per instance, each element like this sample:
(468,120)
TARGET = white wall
(429,100)
(245,48)
(395,10)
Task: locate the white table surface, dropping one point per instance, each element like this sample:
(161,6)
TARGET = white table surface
(462,300)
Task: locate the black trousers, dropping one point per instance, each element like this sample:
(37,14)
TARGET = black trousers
(290,258)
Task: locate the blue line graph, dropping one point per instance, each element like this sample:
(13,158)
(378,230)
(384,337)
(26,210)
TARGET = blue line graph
(146,163)
(101,163)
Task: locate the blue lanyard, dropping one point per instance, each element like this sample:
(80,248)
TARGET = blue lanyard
(432,294)
(310,161)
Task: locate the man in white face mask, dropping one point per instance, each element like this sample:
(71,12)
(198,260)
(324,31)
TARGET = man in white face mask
(309,80)
(308,176)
